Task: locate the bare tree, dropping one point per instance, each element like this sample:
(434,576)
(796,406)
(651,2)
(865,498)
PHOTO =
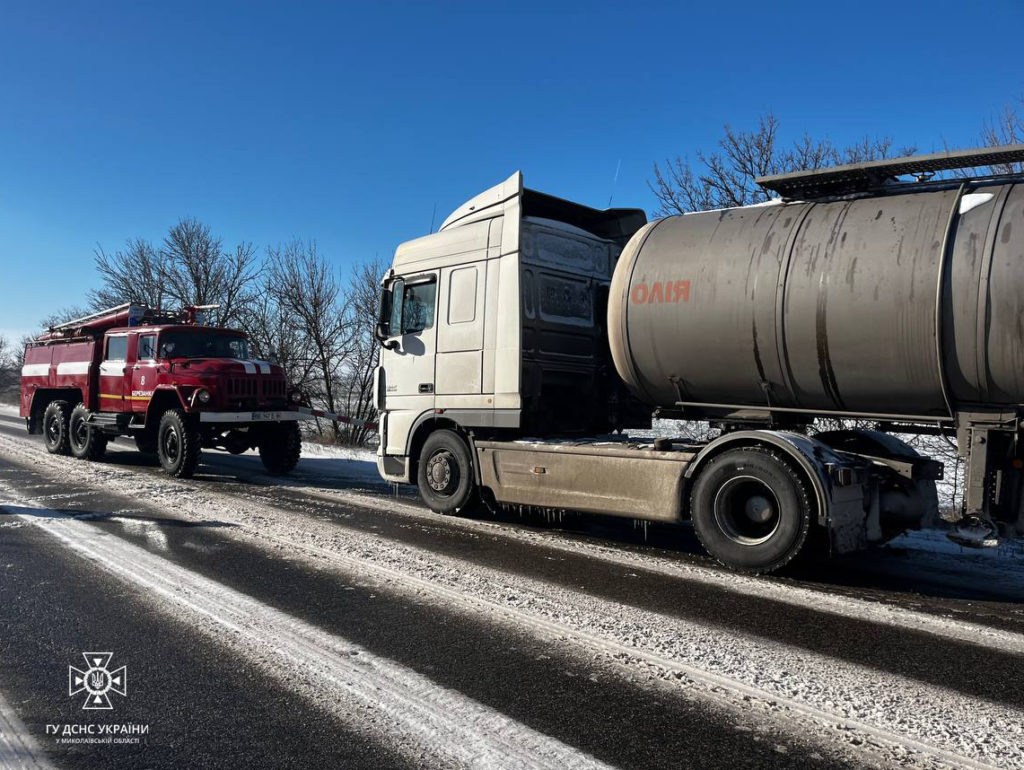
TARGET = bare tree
(1007,127)
(198,271)
(726,177)
(132,275)
(272,333)
(10,370)
(307,291)
(356,385)
(191,267)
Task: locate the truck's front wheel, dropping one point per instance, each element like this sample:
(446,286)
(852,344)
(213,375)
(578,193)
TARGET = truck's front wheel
(56,428)
(178,444)
(445,473)
(280,447)
(751,510)
(87,442)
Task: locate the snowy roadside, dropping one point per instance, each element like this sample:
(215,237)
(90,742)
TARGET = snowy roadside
(734,669)
(360,465)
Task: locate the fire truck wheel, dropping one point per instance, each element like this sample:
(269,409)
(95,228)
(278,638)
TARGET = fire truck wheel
(751,510)
(178,444)
(87,442)
(444,474)
(280,447)
(55,427)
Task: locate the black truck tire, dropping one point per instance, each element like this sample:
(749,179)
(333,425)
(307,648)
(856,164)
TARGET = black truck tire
(56,427)
(178,444)
(86,441)
(444,473)
(751,510)
(280,447)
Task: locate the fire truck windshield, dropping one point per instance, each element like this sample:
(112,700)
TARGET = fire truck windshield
(202,344)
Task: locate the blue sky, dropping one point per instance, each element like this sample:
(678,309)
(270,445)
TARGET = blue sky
(348,122)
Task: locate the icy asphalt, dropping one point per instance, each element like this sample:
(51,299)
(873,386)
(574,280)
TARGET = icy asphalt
(324,621)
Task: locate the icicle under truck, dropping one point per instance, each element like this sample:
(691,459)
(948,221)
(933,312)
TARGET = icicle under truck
(528,323)
(172,384)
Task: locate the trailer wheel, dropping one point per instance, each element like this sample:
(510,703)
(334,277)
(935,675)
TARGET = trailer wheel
(444,473)
(56,429)
(280,447)
(751,510)
(87,442)
(178,444)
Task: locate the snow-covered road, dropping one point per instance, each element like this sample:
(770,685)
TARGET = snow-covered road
(428,641)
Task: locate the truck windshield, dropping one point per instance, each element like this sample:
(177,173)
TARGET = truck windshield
(202,345)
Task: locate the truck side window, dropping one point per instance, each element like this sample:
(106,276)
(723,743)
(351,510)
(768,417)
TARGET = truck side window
(418,302)
(117,348)
(146,347)
(462,296)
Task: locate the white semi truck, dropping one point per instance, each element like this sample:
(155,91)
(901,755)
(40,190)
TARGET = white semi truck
(524,336)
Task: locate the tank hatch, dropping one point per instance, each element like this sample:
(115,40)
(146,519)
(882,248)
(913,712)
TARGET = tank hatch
(861,177)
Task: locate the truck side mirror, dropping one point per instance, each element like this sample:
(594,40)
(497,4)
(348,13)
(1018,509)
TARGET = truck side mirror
(381,331)
(389,313)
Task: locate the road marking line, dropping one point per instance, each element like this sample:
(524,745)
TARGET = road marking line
(419,715)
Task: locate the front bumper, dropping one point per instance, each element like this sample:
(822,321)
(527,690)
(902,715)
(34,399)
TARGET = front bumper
(271,415)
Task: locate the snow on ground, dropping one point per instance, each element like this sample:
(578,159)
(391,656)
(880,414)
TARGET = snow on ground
(423,719)
(817,692)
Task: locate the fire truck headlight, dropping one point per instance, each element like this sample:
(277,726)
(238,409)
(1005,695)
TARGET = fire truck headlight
(203,396)
(295,396)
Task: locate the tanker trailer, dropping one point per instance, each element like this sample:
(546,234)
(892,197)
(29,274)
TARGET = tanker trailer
(853,295)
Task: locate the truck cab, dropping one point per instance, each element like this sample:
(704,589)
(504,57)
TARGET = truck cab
(495,325)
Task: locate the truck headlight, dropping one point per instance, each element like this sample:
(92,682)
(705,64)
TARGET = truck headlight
(295,396)
(203,396)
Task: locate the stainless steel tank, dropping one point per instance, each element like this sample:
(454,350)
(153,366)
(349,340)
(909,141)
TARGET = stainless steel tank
(905,303)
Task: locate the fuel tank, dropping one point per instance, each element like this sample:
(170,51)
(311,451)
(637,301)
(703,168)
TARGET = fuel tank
(907,303)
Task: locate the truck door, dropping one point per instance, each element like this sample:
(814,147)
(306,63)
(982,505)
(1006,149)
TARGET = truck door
(113,367)
(409,364)
(460,330)
(143,378)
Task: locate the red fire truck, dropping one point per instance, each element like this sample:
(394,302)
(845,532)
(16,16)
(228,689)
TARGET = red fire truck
(170,382)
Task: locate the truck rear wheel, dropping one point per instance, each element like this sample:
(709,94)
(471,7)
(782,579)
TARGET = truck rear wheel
(178,444)
(444,473)
(56,428)
(280,447)
(86,442)
(751,510)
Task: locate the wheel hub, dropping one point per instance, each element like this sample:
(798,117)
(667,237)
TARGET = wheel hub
(441,471)
(171,445)
(80,434)
(746,510)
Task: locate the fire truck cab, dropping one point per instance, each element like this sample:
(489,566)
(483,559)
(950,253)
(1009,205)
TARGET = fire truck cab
(173,384)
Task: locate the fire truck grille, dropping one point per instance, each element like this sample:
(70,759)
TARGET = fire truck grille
(255,388)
